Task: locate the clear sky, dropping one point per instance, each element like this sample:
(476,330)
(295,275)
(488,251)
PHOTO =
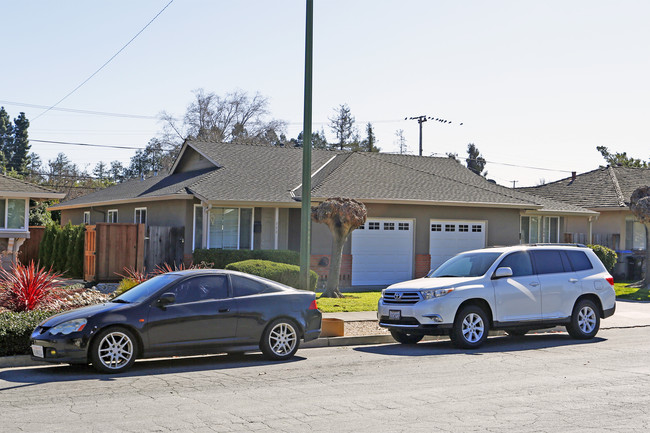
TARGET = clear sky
(536,84)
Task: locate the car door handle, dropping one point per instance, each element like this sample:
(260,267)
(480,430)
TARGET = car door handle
(533,284)
(224,310)
(573,280)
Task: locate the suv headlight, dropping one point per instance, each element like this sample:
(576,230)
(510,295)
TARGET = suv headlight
(435,293)
(69,327)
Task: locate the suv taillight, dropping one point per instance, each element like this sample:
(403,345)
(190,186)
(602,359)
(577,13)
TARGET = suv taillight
(313,305)
(610,280)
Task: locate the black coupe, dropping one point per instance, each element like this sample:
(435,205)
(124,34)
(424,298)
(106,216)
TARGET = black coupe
(182,313)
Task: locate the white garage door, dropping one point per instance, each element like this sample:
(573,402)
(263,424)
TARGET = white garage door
(448,238)
(382,252)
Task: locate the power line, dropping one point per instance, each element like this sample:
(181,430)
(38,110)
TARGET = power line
(87,144)
(75,110)
(107,62)
(424,118)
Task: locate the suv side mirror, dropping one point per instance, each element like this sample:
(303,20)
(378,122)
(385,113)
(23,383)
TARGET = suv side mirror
(166,299)
(502,273)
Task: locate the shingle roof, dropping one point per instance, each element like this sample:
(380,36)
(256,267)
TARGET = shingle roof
(601,188)
(251,173)
(150,188)
(11,185)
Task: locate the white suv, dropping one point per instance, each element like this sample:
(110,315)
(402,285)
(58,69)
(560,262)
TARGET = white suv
(514,288)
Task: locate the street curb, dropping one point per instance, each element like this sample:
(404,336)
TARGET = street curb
(19,361)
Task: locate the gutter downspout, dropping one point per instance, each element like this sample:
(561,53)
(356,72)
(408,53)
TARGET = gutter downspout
(206,224)
(590,230)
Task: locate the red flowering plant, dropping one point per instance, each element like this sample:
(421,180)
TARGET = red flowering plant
(25,288)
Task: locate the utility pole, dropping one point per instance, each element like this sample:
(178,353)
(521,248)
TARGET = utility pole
(514,182)
(305,212)
(424,118)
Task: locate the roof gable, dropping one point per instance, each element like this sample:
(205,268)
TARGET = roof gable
(10,186)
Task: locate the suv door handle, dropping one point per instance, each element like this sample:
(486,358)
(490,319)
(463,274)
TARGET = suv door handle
(534,284)
(573,280)
(224,310)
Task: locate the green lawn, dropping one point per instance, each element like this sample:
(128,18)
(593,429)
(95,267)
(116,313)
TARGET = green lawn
(630,293)
(356,301)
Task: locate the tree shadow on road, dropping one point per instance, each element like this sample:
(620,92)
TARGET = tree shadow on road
(146,367)
(492,345)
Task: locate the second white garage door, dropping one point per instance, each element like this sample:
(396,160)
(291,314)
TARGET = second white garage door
(448,238)
(382,252)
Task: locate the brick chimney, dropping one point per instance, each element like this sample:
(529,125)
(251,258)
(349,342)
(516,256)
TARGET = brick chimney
(573,176)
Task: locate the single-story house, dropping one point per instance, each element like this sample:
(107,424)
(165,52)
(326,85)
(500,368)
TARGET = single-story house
(14,214)
(606,190)
(421,210)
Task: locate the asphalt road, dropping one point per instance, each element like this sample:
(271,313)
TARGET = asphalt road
(542,383)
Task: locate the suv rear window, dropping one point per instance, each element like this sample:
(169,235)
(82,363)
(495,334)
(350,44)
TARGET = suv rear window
(579,260)
(548,262)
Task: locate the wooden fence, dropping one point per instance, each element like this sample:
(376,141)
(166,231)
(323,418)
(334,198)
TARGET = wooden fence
(29,249)
(164,245)
(111,247)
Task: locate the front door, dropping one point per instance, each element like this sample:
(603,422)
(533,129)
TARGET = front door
(203,313)
(518,298)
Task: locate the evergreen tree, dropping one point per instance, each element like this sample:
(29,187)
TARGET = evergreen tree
(77,268)
(19,148)
(6,136)
(368,143)
(475,161)
(342,124)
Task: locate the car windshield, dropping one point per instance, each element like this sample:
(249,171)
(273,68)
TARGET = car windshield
(465,265)
(145,289)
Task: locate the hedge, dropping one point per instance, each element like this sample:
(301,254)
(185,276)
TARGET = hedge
(16,330)
(62,248)
(280,272)
(606,255)
(219,258)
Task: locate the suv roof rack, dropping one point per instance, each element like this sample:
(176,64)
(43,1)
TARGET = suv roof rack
(548,244)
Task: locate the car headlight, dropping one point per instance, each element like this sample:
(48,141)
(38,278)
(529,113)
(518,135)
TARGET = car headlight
(435,293)
(69,327)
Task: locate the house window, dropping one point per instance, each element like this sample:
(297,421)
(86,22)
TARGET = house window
(450,227)
(373,226)
(13,213)
(389,226)
(87,217)
(463,227)
(436,227)
(403,226)
(634,235)
(529,231)
(476,228)
(230,228)
(111,216)
(140,216)
(551,230)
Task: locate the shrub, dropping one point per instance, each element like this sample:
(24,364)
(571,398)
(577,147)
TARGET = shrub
(16,329)
(606,255)
(280,272)
(77,265)
(131,278)
(24,288)
(46,247)
(166,267)
(125,285)
(220,258)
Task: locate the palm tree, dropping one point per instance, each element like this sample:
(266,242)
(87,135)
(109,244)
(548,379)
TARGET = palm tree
(342,215)
(640,207)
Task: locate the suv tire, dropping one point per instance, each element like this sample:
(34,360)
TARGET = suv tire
(585,320)
(470,328)
(404,338)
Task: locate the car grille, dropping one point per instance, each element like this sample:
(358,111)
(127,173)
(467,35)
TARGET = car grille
(401,297)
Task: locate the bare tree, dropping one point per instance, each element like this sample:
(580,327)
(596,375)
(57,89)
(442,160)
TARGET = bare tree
(640,207)
(401,141)
(342,215)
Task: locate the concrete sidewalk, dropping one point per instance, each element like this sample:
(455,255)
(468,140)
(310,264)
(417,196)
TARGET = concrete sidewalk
(629,314)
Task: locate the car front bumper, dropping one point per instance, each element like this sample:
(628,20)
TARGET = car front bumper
(71,348)
(429,317)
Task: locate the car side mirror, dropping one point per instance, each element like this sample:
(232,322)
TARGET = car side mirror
(502,273)
(166,299)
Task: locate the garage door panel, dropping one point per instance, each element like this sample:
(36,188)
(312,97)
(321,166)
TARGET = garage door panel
(382,252)
(448,238)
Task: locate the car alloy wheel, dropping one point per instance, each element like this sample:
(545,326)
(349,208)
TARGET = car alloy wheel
(113,350)
(585,320)
(470,328)
(280,340)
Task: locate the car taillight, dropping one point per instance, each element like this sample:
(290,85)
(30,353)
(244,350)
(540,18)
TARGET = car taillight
(610,280)
(313,305)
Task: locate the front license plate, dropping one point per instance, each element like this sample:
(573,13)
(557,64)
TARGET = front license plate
(38,351)
(394,314)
